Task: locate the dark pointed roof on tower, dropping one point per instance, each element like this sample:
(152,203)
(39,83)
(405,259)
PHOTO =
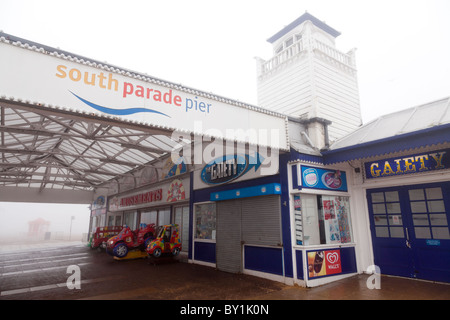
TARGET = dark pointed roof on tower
(306,16)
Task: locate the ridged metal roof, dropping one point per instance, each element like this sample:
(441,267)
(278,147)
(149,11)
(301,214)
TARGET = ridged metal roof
(420,126)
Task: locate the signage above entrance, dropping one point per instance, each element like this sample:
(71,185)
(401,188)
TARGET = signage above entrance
(54,80)
(324,179)
(417,163)
(230,167)
(167,193)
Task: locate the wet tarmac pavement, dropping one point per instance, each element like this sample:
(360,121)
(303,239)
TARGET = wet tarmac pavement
(41,273)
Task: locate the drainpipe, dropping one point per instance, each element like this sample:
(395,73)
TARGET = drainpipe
(327,138)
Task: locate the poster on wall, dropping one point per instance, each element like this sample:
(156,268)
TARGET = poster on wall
(176,191)
(331,223)
(323,179)
(173,168)
(335,213)
(98,207)
(343,216)
(324,263)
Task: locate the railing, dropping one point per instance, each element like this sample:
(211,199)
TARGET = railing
(282,57)
(333,53)
(297,48)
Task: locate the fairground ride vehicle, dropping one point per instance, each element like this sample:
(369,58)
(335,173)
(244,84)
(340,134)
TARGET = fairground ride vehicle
(102,234)
(128,239)
(167,241)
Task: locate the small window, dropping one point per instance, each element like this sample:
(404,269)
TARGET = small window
(205,221)
(322,219)
(289,42)
(387,215)
(429,213)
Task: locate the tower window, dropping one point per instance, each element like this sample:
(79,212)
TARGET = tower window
(289,42)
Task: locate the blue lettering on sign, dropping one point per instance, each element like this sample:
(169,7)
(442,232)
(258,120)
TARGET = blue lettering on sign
(410,164)
(230,167)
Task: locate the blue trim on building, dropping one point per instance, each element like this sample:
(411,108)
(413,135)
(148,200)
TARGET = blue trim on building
(286,216)
(417,139)
(263,259)
(348,260)
(294,172)
(205,251)
(191,213)
(297,156)
(256,191)
(203,195)
(299,260)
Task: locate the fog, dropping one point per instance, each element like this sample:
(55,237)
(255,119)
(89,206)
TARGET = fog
(14,218)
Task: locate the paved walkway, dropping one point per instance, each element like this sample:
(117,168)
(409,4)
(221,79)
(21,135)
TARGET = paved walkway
(355,288)
(18,247)
(38,271)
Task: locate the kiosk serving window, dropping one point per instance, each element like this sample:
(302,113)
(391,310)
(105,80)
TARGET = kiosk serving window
(322,219)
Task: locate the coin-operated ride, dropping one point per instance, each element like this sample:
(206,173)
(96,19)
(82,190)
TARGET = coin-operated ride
(101,236)
(167,241)
(119,245)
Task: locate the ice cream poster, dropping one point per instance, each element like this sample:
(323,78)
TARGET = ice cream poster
(324,179)
(324,263)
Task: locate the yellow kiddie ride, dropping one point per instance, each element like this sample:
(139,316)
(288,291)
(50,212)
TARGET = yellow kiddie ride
(167,241)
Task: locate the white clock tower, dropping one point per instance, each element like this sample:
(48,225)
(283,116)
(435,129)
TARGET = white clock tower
(308,78)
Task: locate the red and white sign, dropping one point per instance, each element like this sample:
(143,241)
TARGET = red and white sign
(324,263)
(333,262)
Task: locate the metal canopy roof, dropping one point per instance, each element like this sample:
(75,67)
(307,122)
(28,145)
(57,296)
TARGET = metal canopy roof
(62,150)
(45,146)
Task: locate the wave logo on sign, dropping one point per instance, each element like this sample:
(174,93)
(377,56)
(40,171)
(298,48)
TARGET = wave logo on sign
(117,112)
(230,167)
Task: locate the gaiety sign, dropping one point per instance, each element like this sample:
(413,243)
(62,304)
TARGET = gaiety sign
(229,167)
(418,163)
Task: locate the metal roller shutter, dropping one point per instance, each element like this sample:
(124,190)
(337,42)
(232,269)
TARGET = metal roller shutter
(261,221)
(253,221)
(228,238)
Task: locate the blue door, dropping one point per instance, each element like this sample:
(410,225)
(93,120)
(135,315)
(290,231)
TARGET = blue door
(410,230)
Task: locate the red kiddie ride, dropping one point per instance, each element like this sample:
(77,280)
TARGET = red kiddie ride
(101,236)
(128,239)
